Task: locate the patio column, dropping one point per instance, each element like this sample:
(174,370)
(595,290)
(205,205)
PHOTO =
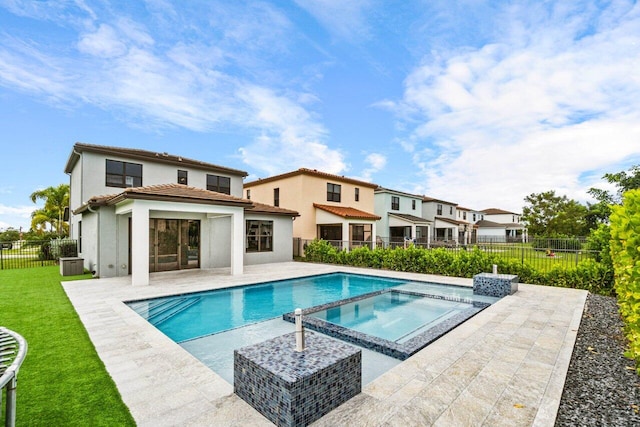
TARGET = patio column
(139,245)
(237,243)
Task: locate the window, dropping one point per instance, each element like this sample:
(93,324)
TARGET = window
(80,236)
(333,192)
(474,217)
(357,194)
(360,232)
(276,197)
(395,203)
(182,177)
(464,216)
(248,194)
(259,236)
(413,205)
(439,209)
(221,184)
(123,174)
(450,210)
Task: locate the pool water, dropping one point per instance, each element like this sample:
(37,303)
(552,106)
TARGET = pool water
(394,316)
(190,316)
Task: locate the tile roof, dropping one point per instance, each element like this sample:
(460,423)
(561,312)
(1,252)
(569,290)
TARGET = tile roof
(268,209)
(347,212)
(151,156)
(496,211)
(451,221)
(431,199)
(311,172)
(182,193)
(410,218)
(489,224)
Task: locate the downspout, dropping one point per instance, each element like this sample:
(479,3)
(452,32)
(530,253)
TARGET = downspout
(95,271)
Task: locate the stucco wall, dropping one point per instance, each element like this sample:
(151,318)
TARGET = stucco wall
(282,241)
(300,192)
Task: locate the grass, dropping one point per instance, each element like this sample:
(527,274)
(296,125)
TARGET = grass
(62,381)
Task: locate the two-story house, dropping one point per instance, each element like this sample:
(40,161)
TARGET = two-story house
(331,207)
(400,217)
(501,225)
(443,215)
(135,211)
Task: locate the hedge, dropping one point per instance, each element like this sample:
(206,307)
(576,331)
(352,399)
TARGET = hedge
(588,274)
(625,253)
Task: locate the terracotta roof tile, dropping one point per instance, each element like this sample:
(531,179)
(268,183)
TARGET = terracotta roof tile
(312,172)
(184,193)
(347,212)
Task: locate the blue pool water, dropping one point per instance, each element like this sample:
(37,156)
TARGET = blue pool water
(191,316)
(392,316)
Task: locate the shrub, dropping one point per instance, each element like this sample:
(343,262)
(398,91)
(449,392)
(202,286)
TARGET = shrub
(588,274)
(625,254)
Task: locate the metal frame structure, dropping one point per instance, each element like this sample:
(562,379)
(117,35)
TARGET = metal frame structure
(13,349)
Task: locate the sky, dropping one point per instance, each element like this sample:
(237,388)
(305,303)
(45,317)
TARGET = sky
(475,102)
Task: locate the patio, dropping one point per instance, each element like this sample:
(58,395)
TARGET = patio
(505,366)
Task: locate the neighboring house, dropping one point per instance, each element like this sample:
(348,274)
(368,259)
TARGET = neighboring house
(514,230)
(443,215)
(331,207)
(136,212)
(400,217)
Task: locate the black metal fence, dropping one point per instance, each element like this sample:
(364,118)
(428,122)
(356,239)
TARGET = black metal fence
(35,253)
(540,253)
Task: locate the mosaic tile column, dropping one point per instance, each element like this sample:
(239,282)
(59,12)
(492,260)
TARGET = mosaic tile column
(293,388)
(495,285)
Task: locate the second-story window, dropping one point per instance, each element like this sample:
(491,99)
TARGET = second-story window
(182,177)
(474,217)
(450,210)
(276,197)
(333,192)
(439,209)
(464,216)
(357,194)
(221,184)
(395,203)
(248,194)
(413,205)
(123,174)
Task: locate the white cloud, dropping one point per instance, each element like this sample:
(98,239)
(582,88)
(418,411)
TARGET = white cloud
(103,42)
(554,97)
(216,77)
(375,163)
(291,137)
(343,19)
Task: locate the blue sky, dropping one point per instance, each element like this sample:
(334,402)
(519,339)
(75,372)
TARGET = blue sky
(475,102)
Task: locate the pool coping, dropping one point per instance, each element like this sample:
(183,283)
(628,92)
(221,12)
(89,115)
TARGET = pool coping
(401,351)
(506,365)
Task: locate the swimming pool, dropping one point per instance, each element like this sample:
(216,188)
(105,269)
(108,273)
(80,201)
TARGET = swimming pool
(211,324)
(191,316)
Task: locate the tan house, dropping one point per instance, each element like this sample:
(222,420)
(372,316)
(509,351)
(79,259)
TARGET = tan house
(331,207)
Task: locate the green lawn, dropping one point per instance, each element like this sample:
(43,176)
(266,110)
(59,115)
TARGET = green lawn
(62,381)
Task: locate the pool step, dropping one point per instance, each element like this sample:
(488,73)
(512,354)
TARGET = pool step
(171,310)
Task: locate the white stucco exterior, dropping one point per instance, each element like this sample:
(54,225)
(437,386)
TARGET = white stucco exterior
(114,230)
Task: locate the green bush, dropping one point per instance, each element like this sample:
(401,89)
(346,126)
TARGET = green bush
(625,253)
(589,274)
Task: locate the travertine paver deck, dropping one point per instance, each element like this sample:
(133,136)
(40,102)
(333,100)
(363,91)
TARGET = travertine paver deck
(505,366)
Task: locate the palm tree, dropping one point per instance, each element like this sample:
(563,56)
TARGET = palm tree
(56,199)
